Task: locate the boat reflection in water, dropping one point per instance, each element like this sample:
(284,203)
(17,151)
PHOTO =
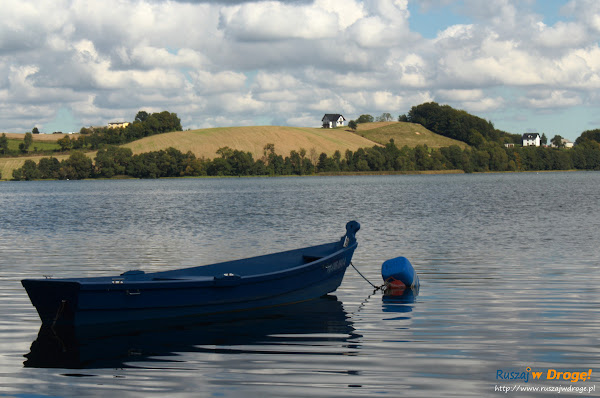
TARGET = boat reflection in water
(117,345)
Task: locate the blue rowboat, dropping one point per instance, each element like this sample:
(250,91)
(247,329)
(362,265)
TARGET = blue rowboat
(209,290)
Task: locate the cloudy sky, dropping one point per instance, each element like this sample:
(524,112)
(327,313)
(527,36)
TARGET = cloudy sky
(526,65)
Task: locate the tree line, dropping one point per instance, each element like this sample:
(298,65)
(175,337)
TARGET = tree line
(113,161)
(92,138)
(144,125)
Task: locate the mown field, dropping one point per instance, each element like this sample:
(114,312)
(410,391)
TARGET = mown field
(206,142)
(403,133)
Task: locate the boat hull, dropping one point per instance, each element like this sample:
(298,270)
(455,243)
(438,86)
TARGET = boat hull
(212,291)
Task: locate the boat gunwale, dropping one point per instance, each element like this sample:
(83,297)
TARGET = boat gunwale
(93,283)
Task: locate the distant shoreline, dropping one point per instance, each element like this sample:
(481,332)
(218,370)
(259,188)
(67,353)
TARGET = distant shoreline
(326,174)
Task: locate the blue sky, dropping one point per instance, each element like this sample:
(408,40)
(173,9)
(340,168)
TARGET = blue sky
(526,65)
(430,20)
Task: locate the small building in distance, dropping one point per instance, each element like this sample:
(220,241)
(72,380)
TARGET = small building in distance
(566,143)
(531,139)
(116,125)
(332,120)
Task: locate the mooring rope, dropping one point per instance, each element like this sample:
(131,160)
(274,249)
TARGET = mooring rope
(359,273)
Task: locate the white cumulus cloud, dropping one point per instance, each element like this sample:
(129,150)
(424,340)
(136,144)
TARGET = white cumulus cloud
(246,62)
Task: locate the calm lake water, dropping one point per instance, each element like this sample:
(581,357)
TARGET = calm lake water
(509,267)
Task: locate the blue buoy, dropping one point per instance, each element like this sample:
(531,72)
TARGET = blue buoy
(397,270)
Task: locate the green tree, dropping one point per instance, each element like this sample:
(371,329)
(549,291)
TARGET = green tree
(17,174)
(376,159)
(593,135)
(498,158)
(544,139)
(296,162)
(65,143)
(241,163)
(365,119)
(422,157)
(3,144)
(80,142)
(268,150)
(586,155)
(259,168)
(28,172)
(326,163)
(561,160)
(195,167)
(481,160)
(49,168)
(275,164)
(35,130)
(362,165)
(475,139)
(76,167)
(225,152)
(403,118)
(353,125)
(454,157)
(27,141)
(219,167)
(111,161)
(557,141)
(142,116)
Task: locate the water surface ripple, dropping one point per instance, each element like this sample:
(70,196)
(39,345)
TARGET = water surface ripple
(509,266)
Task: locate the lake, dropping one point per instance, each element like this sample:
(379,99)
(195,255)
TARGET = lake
(509,267)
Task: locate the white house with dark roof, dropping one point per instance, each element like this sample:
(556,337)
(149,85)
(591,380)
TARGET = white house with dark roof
(531,139)
(331,120)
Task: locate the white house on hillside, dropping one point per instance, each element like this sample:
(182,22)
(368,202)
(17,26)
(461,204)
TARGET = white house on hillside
(531,139)
(331,120)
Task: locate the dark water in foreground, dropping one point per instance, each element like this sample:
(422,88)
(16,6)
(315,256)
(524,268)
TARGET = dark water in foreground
(509,267)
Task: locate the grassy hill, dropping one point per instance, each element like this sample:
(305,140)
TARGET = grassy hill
(403,133)
(205,142)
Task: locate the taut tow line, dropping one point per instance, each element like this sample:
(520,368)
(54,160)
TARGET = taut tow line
(368,281)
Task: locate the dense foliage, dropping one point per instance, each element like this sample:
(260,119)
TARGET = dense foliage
(592,135)
(144,125)
(459,125)
(4,145)
(113,161)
